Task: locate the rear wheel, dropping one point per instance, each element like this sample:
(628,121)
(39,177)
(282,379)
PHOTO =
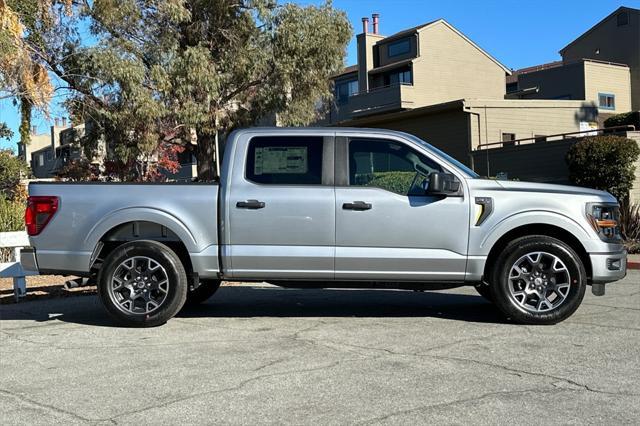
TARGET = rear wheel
(538,280)
(203,292)
(142,284)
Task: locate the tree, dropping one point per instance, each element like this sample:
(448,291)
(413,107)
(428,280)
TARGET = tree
(23,74)
(12,169)
(163,69)
(5,131)
(604,162)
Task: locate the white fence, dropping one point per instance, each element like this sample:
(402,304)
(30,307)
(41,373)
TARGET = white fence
(13,269)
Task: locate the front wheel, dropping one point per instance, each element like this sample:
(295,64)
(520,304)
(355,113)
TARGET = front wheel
(538,280)
(142,284)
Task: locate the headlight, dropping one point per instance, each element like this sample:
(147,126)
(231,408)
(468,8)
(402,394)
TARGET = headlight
(605,220)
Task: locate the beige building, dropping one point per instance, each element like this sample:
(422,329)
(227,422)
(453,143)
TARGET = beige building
(614,39)
(606,84)
(425,65)
(460,127)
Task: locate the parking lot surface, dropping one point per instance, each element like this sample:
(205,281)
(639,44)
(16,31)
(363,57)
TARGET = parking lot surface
(258,354)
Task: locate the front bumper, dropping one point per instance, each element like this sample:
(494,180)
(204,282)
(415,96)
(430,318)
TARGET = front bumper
(28,260)
(608,267)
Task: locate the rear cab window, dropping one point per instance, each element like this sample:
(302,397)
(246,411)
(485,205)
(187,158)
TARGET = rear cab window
(285,160)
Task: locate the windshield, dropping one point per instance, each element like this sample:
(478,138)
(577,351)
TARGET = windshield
(464,169)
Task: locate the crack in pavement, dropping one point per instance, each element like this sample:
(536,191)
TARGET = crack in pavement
(132,346)
(48,407)
(487,364)
(614,308)
(236,387)
(546,390)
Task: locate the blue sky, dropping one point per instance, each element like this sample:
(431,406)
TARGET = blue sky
(517,33)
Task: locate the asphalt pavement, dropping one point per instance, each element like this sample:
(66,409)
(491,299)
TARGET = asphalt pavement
(256,354)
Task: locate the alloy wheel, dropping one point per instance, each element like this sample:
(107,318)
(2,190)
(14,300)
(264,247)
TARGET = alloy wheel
(139,285)
(539,282)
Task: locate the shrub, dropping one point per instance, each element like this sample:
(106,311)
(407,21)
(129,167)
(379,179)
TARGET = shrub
(12,169)
(11,219)
(398,182)
(630,221)
(625,119)
(604,162)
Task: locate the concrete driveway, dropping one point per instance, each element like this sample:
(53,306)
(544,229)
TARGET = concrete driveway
(260,354)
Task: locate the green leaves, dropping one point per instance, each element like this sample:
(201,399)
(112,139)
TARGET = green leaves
(604,162)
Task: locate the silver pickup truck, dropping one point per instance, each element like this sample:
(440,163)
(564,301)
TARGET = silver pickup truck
(332,207)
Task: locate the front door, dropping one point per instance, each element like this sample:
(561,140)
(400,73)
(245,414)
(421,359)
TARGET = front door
(387,229)
(282,210)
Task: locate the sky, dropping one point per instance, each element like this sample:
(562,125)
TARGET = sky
(517,33)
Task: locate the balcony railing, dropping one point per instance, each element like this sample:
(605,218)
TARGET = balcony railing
(376,100)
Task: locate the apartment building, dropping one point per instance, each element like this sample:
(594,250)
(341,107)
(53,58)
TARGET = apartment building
(615,39)
(40,152)
(606,84)
(425,65)
(602,65)
(433,82)
(50,153)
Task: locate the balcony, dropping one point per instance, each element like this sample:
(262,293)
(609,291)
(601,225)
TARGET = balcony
(376,101)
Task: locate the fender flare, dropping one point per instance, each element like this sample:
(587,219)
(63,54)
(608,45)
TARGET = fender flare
(533,217)
(141,214)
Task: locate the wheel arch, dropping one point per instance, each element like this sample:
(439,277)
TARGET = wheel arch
(544,229)
(137,230)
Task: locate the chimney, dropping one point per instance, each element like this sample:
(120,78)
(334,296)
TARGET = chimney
(365,25)
(57,122)
(34,130)
(64,121)
(376,21)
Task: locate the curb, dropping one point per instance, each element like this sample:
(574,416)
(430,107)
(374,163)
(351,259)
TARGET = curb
(633,264)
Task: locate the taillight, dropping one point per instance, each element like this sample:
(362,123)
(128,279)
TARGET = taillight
(40,210)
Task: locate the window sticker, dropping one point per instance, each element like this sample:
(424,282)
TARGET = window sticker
(281,160)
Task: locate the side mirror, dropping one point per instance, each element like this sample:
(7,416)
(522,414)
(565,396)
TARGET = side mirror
(441,183)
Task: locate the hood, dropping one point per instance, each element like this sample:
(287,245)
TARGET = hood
(555,189)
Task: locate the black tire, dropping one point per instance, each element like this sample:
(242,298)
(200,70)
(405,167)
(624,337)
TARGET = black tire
(205,290)
(170,298)
(484,290)
(503,288)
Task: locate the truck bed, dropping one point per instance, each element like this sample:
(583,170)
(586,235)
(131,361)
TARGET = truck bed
(89,213)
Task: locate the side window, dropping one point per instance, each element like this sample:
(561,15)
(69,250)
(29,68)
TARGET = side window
(389,165)
(285,160)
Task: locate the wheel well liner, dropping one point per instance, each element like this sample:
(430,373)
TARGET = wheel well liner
(140,230)
(538,229)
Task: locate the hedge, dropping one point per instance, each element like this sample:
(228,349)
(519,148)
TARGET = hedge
(625,119)
(604,162)
(398,182)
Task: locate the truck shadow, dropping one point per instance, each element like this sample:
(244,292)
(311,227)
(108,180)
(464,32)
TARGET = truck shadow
(251,302)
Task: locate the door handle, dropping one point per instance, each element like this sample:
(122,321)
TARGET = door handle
(250,204)
(357,205)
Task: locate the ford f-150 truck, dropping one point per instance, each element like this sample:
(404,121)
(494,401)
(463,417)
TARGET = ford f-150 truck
(331,207)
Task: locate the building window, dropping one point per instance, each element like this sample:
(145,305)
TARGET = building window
(346,89)
(606,101)
(508,139)
(623,18)
(403,76)
(40,160)
(400,47)
(285,160)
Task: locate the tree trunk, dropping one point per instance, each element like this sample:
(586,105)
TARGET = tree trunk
(205,157)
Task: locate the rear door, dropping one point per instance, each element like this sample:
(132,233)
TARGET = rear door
(282,208)
(386,227)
